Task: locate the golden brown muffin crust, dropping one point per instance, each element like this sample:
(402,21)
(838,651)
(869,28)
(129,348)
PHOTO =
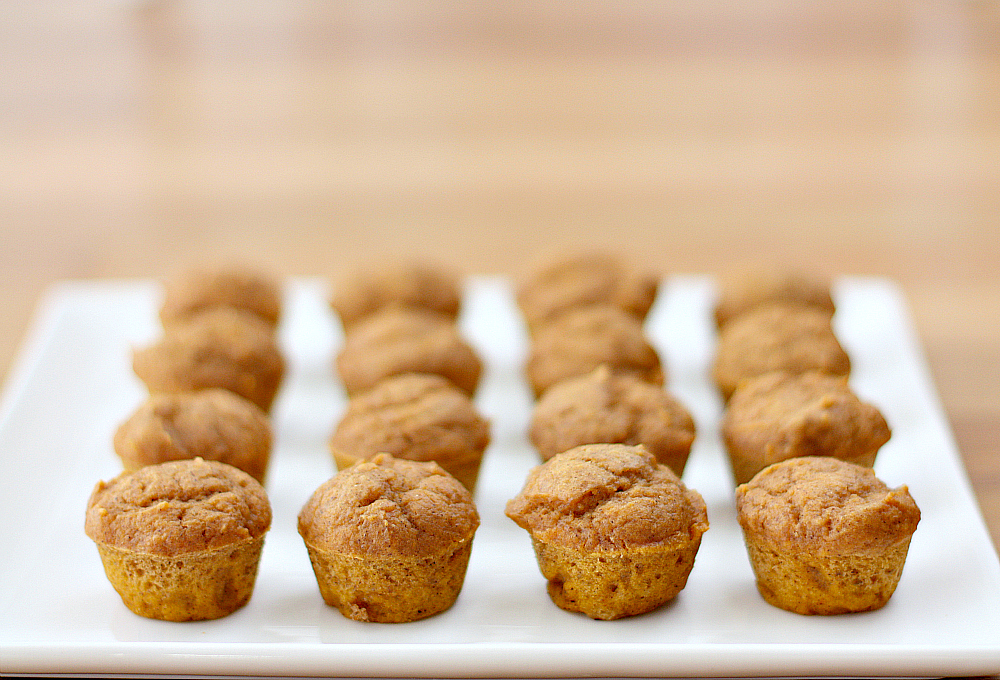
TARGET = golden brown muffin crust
(780,415)
(213,424)
(178,507)
(409,283)
(389,506)
(197,289)
(824,505)
(601,407)
(742,292)
(583,339)
(413,416)
(584,280)
(398,340)
(219,347)
(607,496)
(777,337)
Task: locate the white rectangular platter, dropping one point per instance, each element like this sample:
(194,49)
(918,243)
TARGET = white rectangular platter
(73,385)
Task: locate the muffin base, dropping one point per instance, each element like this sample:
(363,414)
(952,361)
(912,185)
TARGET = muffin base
(806,583)
(612,584)
(390,589)
(192,587)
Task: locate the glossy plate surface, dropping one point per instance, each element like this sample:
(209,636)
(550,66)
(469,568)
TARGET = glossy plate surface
(73,385)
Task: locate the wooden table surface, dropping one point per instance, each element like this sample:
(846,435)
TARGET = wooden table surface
(853,138)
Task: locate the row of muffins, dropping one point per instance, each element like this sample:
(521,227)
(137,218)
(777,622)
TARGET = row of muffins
(614,530)
(590,462)
(181,530)
(390,534)
(823,534)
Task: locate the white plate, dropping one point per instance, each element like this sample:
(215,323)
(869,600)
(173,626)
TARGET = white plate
(73,386)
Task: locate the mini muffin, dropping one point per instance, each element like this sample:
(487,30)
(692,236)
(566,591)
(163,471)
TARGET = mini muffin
(197,289)
(779,415)
(583,339)
(219,347)
(411,283)
(390,539)
(614,532)
(825,536)
(777,337)
(741,293)
(584,280)
(213,424)
(398,340)
(180,541)
(603,408)
(416,416)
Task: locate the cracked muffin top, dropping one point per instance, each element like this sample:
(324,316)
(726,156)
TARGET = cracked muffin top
(197,289)
(177,508)
(213,424)
(607,497)
(583,280)
(602,407)
(415,416)
(824,505)
(583,339)
(398,340)
(777,337)
(781,415)
(409,283)
(389,506)
(219,347)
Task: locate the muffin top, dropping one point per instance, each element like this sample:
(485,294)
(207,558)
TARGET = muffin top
(583,280)
(823,505)
(748,290)
(197,289)
(389,507)
(218,347)
(603,407)
(607,497)
(777,337)
(781,415)
(398,340)
(409,283)
(415,416)
(583,339)
(177,508)
(213,424)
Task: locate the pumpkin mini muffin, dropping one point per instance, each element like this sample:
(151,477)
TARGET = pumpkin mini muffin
(195,290)
(213,424)
(180,541)
(614,532)
(390,539)
(777,337)
(604,408)
(415,283)
(416,416)
(748,290)
(584,280)
(219,347)
(825,536)
(583,339)
(779,415)
(398,340)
